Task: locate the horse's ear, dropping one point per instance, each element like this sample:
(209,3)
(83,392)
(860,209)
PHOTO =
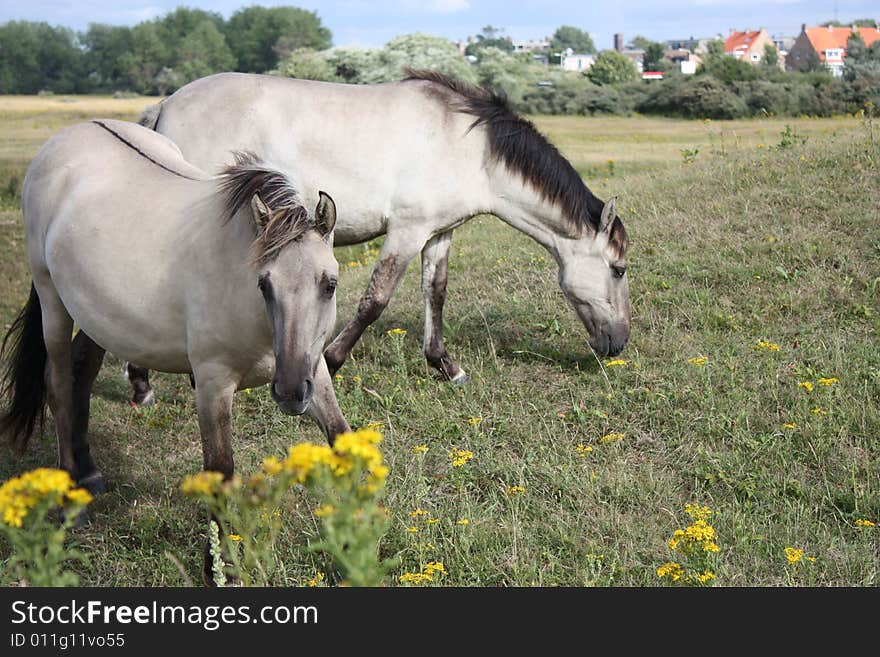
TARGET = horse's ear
(260,210)
(325,214)
(608,214)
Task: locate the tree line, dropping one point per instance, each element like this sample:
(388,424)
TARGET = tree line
(159,56)
(153,57)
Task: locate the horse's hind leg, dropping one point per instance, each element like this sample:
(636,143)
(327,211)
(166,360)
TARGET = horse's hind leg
(435,268)
(142,392)
(87,359)
(57,328)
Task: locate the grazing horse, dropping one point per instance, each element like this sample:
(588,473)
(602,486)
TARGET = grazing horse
(413,160)
(228,278)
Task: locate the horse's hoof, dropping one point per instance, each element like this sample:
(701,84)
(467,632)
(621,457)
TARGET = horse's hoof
(81,521)
(460,379)
(147,399)
(94,483)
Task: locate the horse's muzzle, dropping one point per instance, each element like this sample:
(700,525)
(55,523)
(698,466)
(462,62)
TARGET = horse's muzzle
(610,343)
(297,402)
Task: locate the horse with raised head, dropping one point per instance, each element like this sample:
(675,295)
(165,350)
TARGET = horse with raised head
(228,278)
(413,160)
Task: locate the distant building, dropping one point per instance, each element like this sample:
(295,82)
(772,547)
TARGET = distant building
(686,60)
(827,45)
(682,44)
(572,61)
(533,45)
(636,55)
(748,46)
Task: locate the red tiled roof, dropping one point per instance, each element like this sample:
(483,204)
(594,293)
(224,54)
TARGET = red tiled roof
(824,38)
(740,41)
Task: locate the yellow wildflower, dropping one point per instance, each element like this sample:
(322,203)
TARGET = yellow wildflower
(79,496)
(234,537)
(431,521)
(819,411)
(204,484)
(434,567)
(354,263)
(610,438)
(474,421)
(417,513)
(465,521)
(806,385)
(396,331)
(830,381)
(789,425)
(793,555)
(864,522)
(338,377)
(414,578)
(672,570)
(420,449)
(272,466)
(516,490)
(317,579)
(697,512)
(460,457)
(324,510)
(705,577)
(376,426)
(412,530)
(582,449)
(768,346)
(616,363)
(698,361)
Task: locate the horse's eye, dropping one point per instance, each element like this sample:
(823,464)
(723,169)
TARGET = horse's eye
(619,270)
(262,284)
(329,287)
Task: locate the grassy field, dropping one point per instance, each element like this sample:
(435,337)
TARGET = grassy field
(581,469)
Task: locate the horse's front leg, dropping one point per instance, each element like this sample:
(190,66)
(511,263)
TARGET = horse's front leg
(215,386)
(324,408)
(435,268)
(397,252)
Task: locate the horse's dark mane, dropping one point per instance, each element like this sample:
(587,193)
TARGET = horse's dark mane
(288,220)
(517,143)
(139,151)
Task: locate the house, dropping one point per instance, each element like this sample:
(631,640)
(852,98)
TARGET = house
(686,60)
(825,44)
(571,61)
(748,46)
(532,45)
(636,55)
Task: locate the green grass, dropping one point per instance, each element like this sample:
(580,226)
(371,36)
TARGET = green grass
(744,244)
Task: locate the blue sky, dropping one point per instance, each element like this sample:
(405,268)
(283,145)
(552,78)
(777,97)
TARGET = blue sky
(374,22)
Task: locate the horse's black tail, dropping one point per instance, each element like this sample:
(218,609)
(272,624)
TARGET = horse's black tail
(23,381)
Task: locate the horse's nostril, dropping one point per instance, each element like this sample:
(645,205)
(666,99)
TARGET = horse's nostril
(305,391)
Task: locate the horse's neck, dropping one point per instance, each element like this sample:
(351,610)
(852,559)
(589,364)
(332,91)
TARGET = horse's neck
(519,205)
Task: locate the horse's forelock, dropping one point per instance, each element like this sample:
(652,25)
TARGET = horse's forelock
(288,219)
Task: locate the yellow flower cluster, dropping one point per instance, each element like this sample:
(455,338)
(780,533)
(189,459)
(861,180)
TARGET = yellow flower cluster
(460,457)
(699,535)
(20,495)
(806,385)
(317,579)
(431,569)
(698,361)
(610,438)
(516,490)
(767,346)
(830,381)
(466,521)
(474,421)
(203,484)
(672,570)
(864,522)
(619,362)
(582,449)
(396,331)
(789,425)
(793,555)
